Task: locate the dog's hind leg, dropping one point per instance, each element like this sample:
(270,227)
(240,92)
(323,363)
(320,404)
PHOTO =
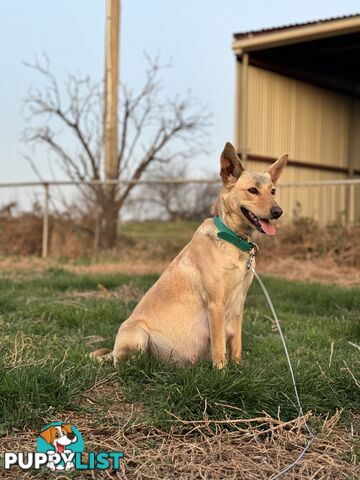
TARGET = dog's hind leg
(102,355)
(131,338)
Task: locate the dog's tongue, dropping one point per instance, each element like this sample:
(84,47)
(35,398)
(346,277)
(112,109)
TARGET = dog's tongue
(268,227)
(60,448)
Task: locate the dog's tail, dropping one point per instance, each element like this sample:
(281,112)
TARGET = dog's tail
(102,355)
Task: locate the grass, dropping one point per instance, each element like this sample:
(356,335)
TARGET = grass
(180,230)
(47,319)
(152,240)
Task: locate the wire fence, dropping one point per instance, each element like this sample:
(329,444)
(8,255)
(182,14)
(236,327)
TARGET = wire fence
(325,202)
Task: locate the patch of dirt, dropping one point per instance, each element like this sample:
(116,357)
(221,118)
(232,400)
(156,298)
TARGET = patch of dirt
(128,267)
(38,265)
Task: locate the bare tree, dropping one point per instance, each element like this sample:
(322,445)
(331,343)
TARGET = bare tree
(176,201)
(152,131)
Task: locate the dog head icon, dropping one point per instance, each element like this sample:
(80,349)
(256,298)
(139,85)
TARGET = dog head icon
(60,436)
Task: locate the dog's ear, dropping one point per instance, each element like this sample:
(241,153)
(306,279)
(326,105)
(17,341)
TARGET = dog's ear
(231,167)
(277,167)
(48,435)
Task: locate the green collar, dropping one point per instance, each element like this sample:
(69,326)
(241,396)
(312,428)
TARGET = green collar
(226,234)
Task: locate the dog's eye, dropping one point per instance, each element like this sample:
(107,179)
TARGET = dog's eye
(56,434)
(273,191)
(253,190)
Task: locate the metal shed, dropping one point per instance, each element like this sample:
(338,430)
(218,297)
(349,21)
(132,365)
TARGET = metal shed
(298,91)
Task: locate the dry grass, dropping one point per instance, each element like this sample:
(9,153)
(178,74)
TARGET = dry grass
(252,449)
(147,241)
(305,240)
(302,251)
(322,270)
(22,235)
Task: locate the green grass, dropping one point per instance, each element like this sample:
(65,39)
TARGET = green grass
(181,230)
(44,366)
(149,240)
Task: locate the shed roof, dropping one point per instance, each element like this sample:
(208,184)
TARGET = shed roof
(262,31)
(325,52)
(295,33)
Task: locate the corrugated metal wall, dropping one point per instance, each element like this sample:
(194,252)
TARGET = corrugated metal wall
(313,125)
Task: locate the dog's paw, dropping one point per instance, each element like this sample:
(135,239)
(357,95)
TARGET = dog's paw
(220,364)
(236,360)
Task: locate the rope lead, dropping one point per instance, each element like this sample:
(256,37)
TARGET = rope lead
(301,413)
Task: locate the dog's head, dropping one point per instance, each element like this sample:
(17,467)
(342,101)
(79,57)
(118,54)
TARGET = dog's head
(59,436)
(248,198)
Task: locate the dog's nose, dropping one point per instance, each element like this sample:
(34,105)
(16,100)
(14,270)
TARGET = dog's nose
(71,436)
(276,212)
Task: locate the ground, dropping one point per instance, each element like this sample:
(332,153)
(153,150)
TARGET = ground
(301,251)
(184,422)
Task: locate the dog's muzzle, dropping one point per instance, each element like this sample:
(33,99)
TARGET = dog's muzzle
(276,212)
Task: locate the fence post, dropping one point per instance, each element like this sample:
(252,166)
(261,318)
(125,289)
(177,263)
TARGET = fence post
(45,231)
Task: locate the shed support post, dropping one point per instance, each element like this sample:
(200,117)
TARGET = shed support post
(351,207)
(237,140)
(45,231)
(242,92)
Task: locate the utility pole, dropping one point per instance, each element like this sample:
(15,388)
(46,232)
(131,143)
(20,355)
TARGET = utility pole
(111,88)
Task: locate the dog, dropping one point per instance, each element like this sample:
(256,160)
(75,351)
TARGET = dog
(196,307)
(59,436)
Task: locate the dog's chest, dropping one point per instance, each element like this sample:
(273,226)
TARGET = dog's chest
(237,280)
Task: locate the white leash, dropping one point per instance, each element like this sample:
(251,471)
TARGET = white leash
(301,413)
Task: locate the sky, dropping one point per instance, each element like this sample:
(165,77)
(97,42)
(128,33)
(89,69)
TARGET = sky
(195,35)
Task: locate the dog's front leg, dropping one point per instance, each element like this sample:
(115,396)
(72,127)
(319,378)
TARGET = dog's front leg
(235,341)
(216,313)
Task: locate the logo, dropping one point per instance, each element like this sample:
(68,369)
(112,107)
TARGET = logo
(60,447)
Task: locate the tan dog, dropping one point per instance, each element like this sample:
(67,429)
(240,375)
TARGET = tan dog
(197,304)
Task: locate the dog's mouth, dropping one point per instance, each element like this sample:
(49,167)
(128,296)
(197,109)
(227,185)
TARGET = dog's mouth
(60,448)
(263,225)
